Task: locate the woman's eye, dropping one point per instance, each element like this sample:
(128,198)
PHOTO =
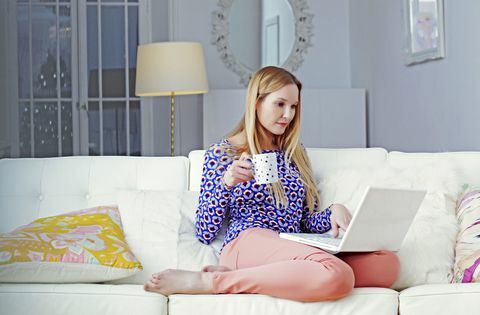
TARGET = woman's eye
(280,104)
(294,106)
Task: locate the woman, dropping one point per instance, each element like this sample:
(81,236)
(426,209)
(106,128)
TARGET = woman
(253,258)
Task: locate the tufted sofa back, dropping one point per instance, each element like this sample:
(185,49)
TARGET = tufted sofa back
(33,188)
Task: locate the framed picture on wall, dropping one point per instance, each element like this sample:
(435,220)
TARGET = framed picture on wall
(424,34)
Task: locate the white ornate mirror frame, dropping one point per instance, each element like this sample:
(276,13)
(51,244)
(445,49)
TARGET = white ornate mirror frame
(221,34)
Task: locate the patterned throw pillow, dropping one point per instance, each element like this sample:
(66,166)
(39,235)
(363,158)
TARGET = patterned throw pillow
(81,246)
(467,252)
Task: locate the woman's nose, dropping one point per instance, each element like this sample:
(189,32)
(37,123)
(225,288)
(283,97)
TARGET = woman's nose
(288,113)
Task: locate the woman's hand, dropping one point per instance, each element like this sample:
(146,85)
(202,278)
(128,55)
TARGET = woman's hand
(239,171)
(340,218)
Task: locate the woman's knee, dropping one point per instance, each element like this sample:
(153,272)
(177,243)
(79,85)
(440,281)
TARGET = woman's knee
(388,265)
(339,282)
(343,280)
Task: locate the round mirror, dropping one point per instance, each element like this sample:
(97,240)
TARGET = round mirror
(250,34)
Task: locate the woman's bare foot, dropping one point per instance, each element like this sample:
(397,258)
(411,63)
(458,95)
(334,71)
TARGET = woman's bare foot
(212,268)
(173,281)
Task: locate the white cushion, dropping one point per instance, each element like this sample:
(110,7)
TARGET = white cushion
(427,253)
(80,299)
(467,164)
(192,254)
(150,221)
(159,228)
(362,301)
(434,299)
(326,161)
(33,188)
(195,158)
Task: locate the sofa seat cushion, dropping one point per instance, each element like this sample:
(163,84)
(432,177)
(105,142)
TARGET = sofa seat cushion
(73,299)
(360,301)
(458,298)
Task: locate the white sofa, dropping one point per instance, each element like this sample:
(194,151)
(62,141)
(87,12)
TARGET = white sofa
(32,188)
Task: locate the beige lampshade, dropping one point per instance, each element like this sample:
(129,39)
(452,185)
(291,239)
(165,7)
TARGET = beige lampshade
(166,67)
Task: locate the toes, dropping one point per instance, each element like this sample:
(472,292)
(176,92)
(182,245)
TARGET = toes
(207,268)
(223,268)
(146,287)
(213,268)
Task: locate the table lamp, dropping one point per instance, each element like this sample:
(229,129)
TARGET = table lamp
(171,68)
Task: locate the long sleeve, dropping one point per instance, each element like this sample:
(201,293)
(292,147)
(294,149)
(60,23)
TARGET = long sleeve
(214,195)
(316,222)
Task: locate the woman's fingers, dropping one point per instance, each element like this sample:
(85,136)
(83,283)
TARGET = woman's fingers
(339,223)
(340,218)
(245,160)
(239,171)
(242,167)
(334,228)
(344,222)
(349,219)
(243,164)
(244,156)
(242,177)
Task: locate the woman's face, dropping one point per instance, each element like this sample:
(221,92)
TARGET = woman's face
(278,109)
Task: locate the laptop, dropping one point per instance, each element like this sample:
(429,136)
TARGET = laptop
(381,222)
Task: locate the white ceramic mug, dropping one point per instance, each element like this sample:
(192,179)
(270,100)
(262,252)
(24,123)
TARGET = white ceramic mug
(265,168)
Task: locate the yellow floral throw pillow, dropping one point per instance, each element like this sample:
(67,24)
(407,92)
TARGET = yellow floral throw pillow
(81,246)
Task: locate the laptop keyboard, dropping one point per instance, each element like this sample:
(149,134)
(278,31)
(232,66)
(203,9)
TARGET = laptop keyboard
(326,239)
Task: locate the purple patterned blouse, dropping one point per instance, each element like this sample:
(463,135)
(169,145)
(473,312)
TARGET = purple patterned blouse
(250,204)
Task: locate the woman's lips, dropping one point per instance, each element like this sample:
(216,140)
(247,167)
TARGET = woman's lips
(282,124)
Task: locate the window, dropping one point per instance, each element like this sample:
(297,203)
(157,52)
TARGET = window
(76,77)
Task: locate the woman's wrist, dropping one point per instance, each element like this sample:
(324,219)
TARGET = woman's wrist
(331,207)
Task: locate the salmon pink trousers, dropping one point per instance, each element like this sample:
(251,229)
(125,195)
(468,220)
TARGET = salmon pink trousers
(262,262)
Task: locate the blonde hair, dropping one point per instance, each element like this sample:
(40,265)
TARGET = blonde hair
(265,81)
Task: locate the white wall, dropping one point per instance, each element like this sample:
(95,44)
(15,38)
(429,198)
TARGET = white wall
(432,106)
